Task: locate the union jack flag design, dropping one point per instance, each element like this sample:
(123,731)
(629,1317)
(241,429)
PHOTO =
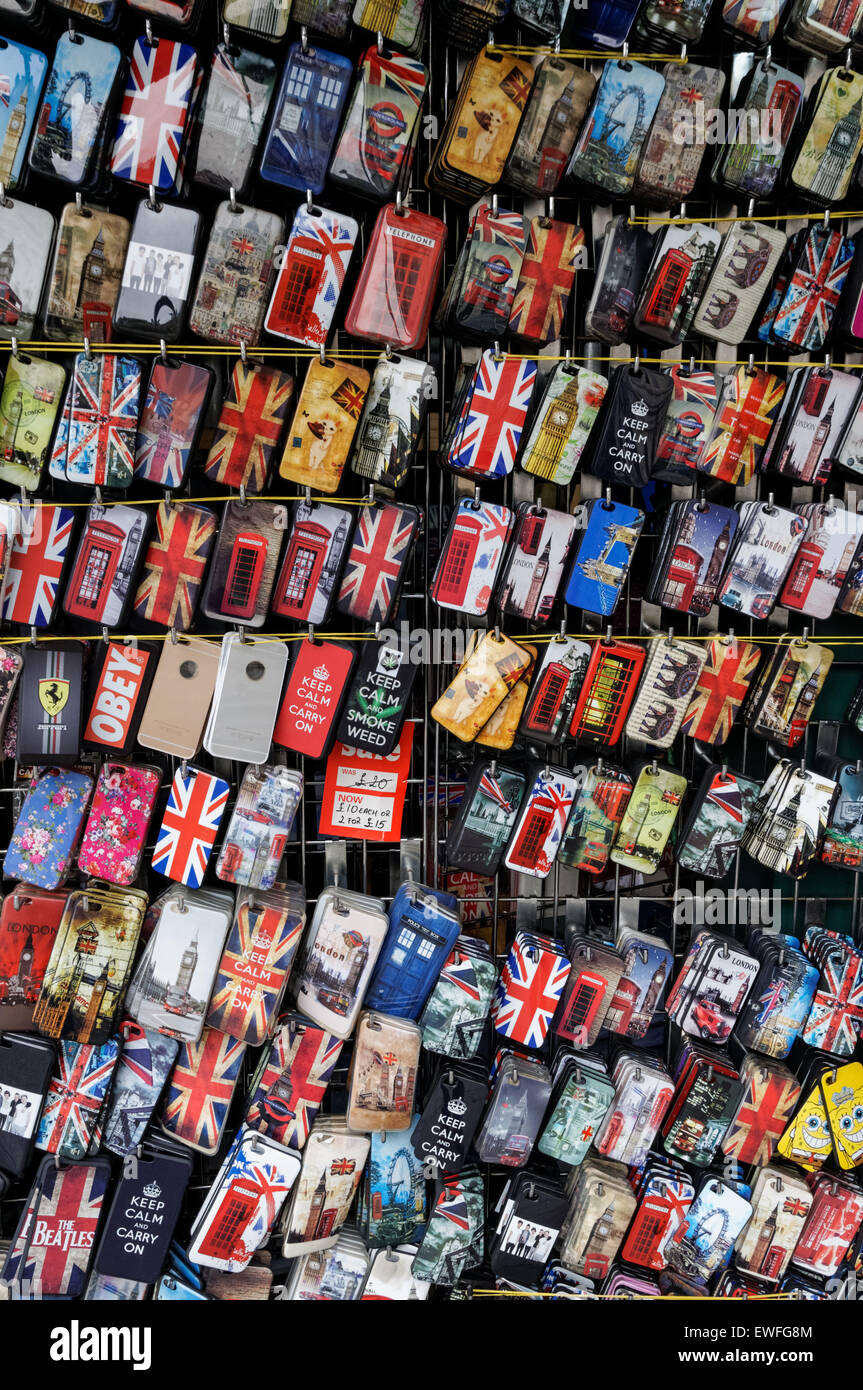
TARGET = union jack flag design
(452,1206)
(289,1090)
(98,429)
(739,432)
(145,1062)
(169,422)
(490,787)
(685,430)
(57,1237)
(36,562)
(251,1192)
(722,687)
(662,1208)
(75,1097)
(546,280)
(254,968)
(378,132)
(763,1114)
(489,429)
(189,826)
(155,114)
(201,1089)
(174,564)
(529,990)
(250,425)
(459,970)
(376,561)
(311,277)
(805,314)
(541,824)
(836,1017)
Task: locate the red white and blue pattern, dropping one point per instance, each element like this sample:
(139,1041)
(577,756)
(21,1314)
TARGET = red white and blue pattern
(253,970)
(490,787)
(459,970)
(201,1089)
(805,314)
(451,1204)
(321,242)
(301,1061)
(57,1238)
(376,560)
(836,1017)
(488,433)
(189,826)
(95,442)
(155,114)
(36,564)
(529,990)
(75,1097)
(145,1062)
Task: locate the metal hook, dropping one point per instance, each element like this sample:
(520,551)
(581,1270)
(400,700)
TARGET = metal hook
(243,351)
(163,350)
(233,205)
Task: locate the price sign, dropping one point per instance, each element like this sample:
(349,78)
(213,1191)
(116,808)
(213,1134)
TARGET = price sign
(364,793)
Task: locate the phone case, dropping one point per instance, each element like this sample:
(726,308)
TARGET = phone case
(256,964)
(669,166)
(648,820)
(321,433)
(393,299)
(767,540)
(393,417)
(146,1059)
(770,1096)
(471,556)
(311,271)
(806,290)
(608,690)
(596,162)
(179,700)
(377,141)
(485,428)
(22,72)
(291,1080)
(243,564)
(723,684)
(552,118)
(29,403)
(377,561)
(477,689)
(200,1090)
(711,835)
(85,276)
(116,829)
(157,273)
(565,416)
(110,552)
(248,685)
(48,827)
(529,989)
(745,266)
(54,1242)
(832,139)
(540,823)
(236,274)
(80,1081)
(259,827)
(315,551)
(48,722)
(26,1065)
(236,99)
(341,948)
(597,810)
(244,1202)
(383,1073)
(156,114)
(553,254)
(768,101)
(683,259)
(306,118)
(71,129)
(190,823)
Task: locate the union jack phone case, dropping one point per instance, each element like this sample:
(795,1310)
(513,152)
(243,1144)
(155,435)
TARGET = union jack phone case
(146,1060)
(321,433)
(770,1095)
(311,272)
(723,684)
(540,823)
(79,1084)
(175,560)
(200,1090)
(190,823)
(486,423)
(806,290)
(250,426)
(553,254)
(471,556)
(50,1253)
(291,1080)
(170,421)
(256,963)
(378,138)
(377,561)
(95,438)
(156,114)
(393,298)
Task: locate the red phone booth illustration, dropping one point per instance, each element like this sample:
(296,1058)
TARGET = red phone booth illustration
(245,571)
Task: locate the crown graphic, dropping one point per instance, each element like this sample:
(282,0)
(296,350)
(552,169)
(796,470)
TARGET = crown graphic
(152,1190)
(640,409)
(456,1107)
(321,673)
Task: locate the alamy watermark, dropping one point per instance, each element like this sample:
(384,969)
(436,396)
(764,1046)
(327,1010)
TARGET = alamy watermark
(727,907)
(697,124)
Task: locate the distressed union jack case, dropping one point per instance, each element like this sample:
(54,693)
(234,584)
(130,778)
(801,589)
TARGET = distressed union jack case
(96,435)
(377,141)
(76,1093)
(393,299)
(806,290)
(174,565)
(311,273)
(50,1253)
(170,421)
(529,989)
(770,1096)
(250,426)
(256,963)
(185,839)
(747,409)
(484,436)
(156,114)
(201,1089)
(553,254)
(291,1080)
(306,117)
(377,561)
(722,686)
(243,1204)
(321,434)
